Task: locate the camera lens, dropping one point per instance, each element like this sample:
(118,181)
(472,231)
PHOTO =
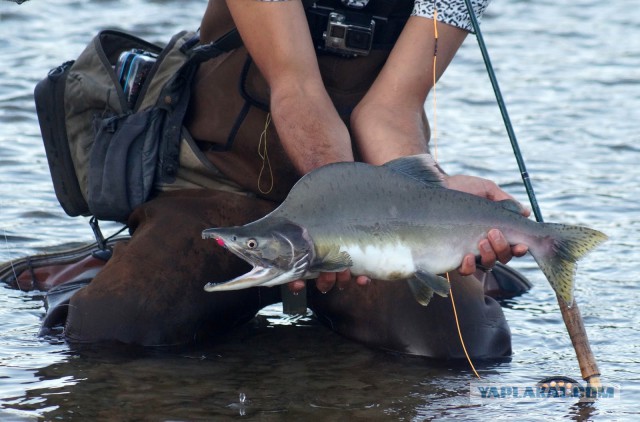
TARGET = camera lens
(337,31)
(358,39)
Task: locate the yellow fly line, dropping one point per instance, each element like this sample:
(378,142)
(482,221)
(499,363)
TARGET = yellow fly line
(435,60)
(435,157)
(264,155)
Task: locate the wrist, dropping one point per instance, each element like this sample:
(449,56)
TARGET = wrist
(312,134)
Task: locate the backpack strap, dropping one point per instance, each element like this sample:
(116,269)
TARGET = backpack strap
(176,95)
(201,53)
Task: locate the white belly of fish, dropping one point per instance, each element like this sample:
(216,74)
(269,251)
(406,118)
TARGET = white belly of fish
(397,260)
(390,262)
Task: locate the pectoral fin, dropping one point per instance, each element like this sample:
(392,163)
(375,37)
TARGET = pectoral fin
(333,261)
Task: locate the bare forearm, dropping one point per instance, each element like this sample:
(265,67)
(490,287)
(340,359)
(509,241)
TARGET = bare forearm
(310,129)
(308,125)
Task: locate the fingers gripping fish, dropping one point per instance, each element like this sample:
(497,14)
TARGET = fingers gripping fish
(411,228)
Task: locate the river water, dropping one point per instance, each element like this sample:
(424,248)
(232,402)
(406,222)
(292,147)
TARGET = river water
(570,75)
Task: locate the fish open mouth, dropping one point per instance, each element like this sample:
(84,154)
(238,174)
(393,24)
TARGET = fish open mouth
(258,276)
(284,262)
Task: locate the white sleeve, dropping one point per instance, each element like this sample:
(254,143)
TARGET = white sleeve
(452,12)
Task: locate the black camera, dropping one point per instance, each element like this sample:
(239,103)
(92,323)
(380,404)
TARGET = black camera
(348,37)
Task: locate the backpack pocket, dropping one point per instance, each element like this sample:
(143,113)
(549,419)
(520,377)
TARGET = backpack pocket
(123,163)
(49,99)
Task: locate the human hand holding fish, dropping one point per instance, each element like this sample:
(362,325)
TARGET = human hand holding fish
(495,247)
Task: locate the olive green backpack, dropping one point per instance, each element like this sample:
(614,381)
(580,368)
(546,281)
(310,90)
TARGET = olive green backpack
(105,153)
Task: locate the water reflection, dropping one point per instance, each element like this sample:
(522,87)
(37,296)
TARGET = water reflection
(301,371)
(296,371)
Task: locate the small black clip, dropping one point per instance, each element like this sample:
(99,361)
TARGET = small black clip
(103,252)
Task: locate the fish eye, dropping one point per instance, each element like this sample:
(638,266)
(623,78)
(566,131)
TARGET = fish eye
(252,243)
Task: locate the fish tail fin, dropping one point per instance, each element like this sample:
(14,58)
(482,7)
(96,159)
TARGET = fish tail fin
(558,254)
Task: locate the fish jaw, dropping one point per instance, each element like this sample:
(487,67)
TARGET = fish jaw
(258,276)
(280,253)
(264,276)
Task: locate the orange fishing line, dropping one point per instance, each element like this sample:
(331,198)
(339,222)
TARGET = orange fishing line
(435,58)
(455,315)
(435,156)
(264,155)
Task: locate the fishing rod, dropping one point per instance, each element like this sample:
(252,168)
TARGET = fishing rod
(570,314)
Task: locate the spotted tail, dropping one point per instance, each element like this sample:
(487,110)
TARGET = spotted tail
(557,257)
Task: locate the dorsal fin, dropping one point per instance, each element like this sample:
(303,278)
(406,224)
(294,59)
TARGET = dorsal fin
(421,167)
(511,205)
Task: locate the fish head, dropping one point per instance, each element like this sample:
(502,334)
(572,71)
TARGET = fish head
(279,250)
